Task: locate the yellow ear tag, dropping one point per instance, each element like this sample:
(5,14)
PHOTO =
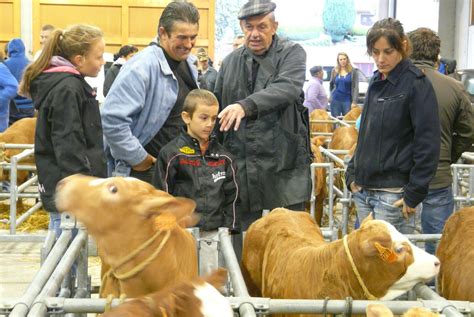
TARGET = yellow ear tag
(386,254)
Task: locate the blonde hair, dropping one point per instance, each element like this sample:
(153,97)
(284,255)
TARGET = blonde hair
(348,66)
(74,40)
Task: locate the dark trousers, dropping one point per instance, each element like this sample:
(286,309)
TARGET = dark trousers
(145,176)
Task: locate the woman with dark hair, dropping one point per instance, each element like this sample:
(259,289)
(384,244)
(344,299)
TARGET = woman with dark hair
(344,86)
(124,54)
(399,137)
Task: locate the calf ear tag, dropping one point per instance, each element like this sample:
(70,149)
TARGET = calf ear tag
(386,254)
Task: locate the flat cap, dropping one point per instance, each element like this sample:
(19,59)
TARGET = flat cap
(202,55)
(315,69)
(256,7)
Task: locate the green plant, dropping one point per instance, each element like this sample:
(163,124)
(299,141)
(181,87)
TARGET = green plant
(338,18)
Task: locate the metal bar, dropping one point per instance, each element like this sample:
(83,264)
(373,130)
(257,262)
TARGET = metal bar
(448,309)
(334,151)
(39,308)
(331,156)
(331,195)
(28,213)
(28,183)
(312,208)
(424,237)
(238,283)
(18,146)
(20,195)
(339,121)
(22,238)
(7,167)
(13,193)
(324,121)
(272,306)
(23,305)
(321,133)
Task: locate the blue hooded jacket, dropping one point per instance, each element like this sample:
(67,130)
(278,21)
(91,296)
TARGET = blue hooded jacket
(16,63)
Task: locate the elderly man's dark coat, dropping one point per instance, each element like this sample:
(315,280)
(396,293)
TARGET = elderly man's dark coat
(272,144)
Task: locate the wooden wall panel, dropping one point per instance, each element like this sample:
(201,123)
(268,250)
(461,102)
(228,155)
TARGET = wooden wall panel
(123,22)
(9,21)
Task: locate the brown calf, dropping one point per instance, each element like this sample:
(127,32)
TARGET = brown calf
(139,231)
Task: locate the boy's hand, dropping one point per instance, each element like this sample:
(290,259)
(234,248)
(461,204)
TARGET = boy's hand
(231,115)
(145,165)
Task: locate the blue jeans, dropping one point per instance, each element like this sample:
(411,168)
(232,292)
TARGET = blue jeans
(380,204)
(437,207)
(340,108)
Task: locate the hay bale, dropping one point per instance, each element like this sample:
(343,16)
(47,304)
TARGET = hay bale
(37,221)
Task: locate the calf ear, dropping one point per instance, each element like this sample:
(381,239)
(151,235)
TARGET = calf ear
(218,278)
(386,254)
(368,218)
(378,310)
(160,204)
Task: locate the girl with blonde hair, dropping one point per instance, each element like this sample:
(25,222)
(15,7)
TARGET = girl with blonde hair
(344,86)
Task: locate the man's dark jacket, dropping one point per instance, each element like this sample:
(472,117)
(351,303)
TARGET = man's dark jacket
(271,146)
(456,116)
(399,137)
(68,137)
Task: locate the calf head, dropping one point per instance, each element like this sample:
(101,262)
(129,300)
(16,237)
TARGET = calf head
(402,264)
(195,298)
(117,203)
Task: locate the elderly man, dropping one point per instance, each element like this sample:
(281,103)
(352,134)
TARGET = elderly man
(263,121)
(142,112)
(315,96)
(456,117)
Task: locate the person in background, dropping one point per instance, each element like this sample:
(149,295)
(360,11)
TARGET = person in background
(45,33)
(142,111)
(238,41)
(262,119)
(399,137)
(20,107)
(68,138)
(457,131)
(121,57)
(315,96)
(208,73)
(8,89)
(344,86)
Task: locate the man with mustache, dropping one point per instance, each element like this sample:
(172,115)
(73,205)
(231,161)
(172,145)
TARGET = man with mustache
(142,111)
(263,121)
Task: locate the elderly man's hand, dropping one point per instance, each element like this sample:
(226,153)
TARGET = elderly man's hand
(231,115)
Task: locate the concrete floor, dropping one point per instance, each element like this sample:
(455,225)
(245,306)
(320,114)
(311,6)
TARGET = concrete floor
(20,261)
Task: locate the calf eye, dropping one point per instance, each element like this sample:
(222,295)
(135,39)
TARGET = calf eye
(399,249)
(113,189)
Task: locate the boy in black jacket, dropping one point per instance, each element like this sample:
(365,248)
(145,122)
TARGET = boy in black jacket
(196,166)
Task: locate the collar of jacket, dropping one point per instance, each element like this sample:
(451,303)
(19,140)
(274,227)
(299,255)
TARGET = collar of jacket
(396,73)
(211,149)
(424,64)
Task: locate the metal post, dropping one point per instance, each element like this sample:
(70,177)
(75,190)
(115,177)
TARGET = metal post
(23,305)
(240,289)
(13,193)
(39,307)
(331,196)
(448,309)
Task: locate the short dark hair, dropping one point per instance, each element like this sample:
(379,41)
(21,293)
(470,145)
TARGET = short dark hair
(198,97)
(125,51)
(315,69)
(178,11)
(426,44)
(47,27)
(392,30)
